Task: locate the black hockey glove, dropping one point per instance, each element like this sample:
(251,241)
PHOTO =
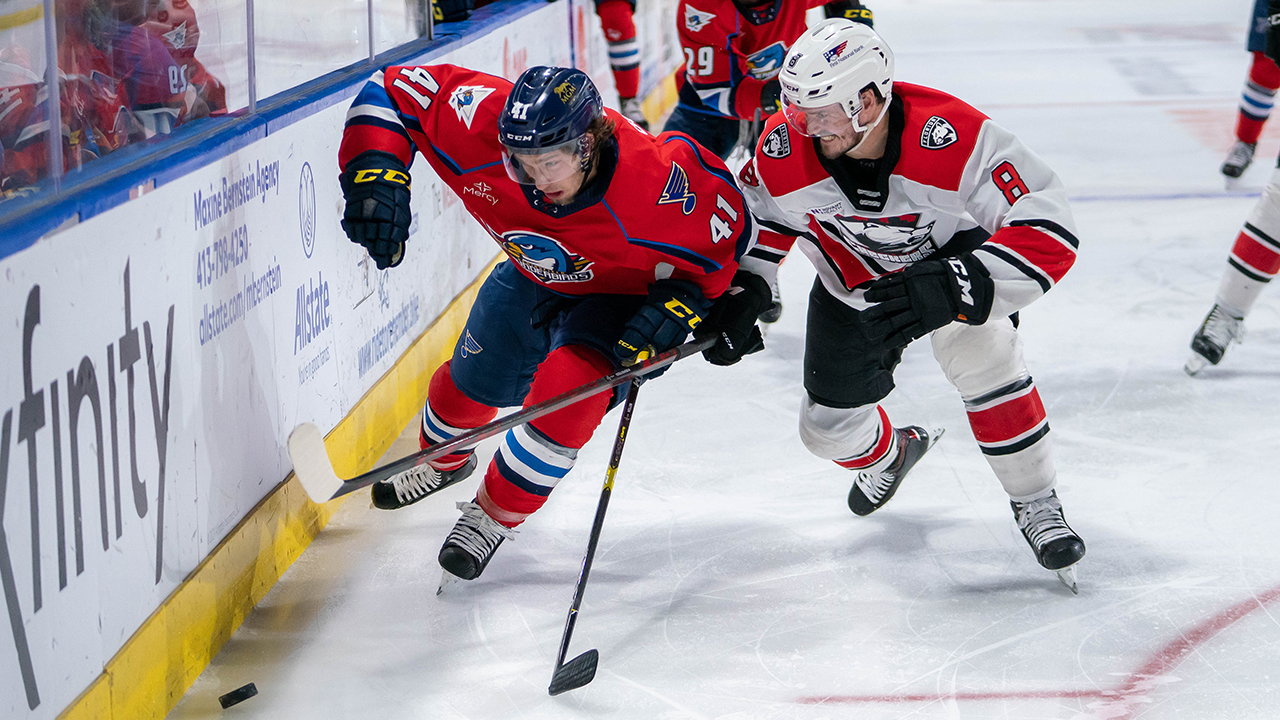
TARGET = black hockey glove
(771,97)
(446,11)
(376,187)
(672,310)
(1272,50)
(851,10)
(926,296)
(732,320)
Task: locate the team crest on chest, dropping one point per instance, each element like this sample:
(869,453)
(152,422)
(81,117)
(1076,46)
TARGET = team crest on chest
(776,144)
(677,191)
(695,19)
(892,239)
(764,64)
(937,134)
(465,99)
(544,258)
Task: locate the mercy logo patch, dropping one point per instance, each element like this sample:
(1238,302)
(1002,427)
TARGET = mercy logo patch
(937,134)
(465,99)
(545,258)
(677,191)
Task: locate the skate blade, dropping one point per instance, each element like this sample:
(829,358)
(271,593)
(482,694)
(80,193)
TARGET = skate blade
(447,580)
(934,436)
(1195,364)
(1067,576)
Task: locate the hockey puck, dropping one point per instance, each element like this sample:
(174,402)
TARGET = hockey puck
(238,695)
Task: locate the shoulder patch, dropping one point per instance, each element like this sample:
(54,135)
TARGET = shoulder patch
(465,98)
(747,175)
(677,191)
(776,144)
(695,19)
(937,134)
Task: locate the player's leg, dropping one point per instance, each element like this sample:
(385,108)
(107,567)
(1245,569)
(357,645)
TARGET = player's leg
(985,363)
(1256,100)
(1253,262)
(846,375)
(618,21)
(533,458)
(713,132)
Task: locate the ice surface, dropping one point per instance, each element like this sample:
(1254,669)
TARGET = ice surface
(731,579)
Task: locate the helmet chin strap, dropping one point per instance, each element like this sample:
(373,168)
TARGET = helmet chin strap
(854,118)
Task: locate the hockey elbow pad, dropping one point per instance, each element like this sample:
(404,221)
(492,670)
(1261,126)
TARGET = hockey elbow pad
(732,320)
(926,296)
(850,10)
(673,309)
(376,187)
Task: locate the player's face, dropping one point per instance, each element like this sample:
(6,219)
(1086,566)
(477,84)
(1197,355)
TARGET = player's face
(558,173)
(844,137)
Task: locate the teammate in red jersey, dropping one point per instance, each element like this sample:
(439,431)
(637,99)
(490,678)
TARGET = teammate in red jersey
(922,217)
(1255,256)
(616,244)
(1256,99)
(733,50)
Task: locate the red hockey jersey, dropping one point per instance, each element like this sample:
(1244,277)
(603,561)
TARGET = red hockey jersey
(949,178)
(659,207)
(727,58)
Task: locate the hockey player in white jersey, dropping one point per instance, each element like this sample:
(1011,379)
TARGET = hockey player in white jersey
(922,217)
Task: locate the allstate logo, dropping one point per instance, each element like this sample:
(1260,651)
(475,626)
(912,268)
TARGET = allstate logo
(307,209)
(545,258)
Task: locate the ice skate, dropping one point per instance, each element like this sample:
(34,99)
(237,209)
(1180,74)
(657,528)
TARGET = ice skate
(471,543)
(1056,545)
(774,311)
(873,488)
(1210,342)
(1238,160)
(633,110)
(416,483)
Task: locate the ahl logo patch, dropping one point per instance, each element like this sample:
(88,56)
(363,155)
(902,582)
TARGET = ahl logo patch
(545,258)
(695,19)
(776,144)
(677,191)
(937,134)
(465,99)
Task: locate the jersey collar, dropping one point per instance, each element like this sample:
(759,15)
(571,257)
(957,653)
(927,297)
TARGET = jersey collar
(844,170)
(760,14)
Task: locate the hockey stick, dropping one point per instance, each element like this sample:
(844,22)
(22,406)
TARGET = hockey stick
(314,469)
(582,669)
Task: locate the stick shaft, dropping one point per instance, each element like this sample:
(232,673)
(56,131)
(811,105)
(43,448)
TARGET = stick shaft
(501,425)
(598,524)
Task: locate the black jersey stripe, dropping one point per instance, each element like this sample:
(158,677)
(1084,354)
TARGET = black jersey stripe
(1247,272)
(1052,227)
(830,262)
(1011,388)
(1021,266)
(1262,236)
(1018,446)
(779,228)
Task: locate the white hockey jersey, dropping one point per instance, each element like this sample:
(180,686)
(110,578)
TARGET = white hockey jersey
(951,181)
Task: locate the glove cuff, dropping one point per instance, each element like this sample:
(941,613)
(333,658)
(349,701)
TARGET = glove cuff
(974,291)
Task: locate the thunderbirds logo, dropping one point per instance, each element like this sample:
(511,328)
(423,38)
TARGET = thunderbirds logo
(677,191)
(545,258)
(177,37)
(891,239)
(465,99)
(695,19)
(764,64)
(937,134)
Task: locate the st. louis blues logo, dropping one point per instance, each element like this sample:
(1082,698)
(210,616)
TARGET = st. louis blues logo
(764,64)
(677,191)
(545,258)
(465,98)
(470,346)
(891,239)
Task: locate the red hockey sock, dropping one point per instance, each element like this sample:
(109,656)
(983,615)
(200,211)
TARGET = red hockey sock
(1257,98)
(448,413)
(624,53)
(1009,423)
(879,451)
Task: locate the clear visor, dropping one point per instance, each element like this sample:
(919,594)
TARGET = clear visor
(819,121)
(545,166)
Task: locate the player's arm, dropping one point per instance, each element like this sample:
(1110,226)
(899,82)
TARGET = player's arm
(716,68)
(1015,196)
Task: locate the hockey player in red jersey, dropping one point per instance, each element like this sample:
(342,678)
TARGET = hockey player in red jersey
(616,244)
(1255,256)
(923,218)
(617,19)
(1256,99)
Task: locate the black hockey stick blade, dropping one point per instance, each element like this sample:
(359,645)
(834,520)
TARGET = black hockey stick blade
(314,469)
(575,673)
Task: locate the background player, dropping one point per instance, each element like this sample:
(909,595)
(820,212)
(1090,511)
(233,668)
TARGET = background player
(598,271)
(1254,258)
(618,21)
(1257,98)
(881,183)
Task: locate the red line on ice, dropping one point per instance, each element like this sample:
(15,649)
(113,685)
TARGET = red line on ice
(1124,698)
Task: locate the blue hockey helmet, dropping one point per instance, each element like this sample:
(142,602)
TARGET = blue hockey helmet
(549,111)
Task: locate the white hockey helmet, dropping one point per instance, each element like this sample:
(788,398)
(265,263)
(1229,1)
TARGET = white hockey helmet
(830,65)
